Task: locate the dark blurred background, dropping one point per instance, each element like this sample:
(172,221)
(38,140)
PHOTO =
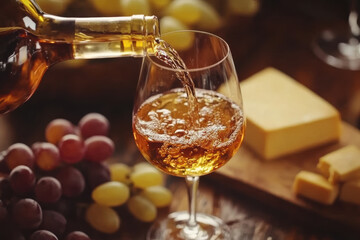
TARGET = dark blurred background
(276,33)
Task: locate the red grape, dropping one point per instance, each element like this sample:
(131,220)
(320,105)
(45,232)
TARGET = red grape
(11,233)
(27,213)
(48,190)
(72,181)
(72,148)
(3,165)
(43,235)
(22,179)
(98,148)
(96,173)
(93,124)
(47,156)
(77,235)
(6,191)
(3,211)
(67,207)
(54,222)
(19,154)
(58,128)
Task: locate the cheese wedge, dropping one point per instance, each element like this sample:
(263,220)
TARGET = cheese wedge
(315,187)
(285,117)
(350,192)
(341,165)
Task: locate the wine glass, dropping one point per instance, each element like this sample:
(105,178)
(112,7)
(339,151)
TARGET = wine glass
(341,48)
(189,122)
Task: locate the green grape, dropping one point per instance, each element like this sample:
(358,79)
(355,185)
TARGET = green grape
(180,42)
(210,19)
(158,195)
(187,11)
(170,24)
(108,7)
(142,208)
(120,172)
(111,194)
(131,7)
(102,218)
(159,4)
(243,7)
(141,165)
(143,177)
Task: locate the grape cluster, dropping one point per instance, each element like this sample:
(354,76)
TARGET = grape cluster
(173,14)
(188,14)
(140,188)
(42,185)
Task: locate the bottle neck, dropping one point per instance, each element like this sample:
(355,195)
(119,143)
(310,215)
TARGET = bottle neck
(91,37)
(102,37)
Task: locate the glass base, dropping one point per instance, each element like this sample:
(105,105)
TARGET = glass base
(340,50)
(175,228)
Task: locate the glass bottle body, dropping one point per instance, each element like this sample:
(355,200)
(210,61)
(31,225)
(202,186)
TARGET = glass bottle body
(31,41)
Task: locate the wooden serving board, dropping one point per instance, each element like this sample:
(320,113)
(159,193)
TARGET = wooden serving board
(272,181)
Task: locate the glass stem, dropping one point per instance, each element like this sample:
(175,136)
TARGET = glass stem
(192,230)
(192,187)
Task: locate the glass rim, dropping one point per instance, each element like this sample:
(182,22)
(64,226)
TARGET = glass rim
(193,69)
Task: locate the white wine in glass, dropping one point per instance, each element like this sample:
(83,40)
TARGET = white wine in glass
(188,121)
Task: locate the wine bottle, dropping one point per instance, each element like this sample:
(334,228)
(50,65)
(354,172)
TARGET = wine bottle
(32,40)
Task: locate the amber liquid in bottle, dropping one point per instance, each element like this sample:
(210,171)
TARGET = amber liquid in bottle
(24,58)
(31,41)
(23,61)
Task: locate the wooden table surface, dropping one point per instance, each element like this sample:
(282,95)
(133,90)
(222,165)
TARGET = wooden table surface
(280,35)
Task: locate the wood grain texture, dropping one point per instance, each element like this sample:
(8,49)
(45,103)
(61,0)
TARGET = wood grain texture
(273,180)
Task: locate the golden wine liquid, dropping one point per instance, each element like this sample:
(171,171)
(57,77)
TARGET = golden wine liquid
(165,134)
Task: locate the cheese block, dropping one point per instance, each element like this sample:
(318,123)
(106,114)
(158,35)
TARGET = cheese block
(350,192)
(341,165)
(315,187)
(285,117)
